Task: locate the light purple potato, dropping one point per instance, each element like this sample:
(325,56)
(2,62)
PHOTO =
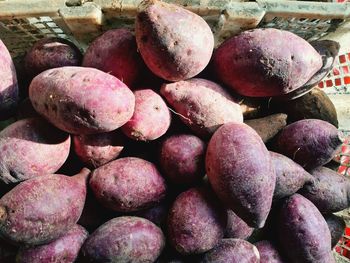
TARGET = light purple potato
(310,142)
(303,232)
(200,107)
(124,239)
(42,209)
(151,118)
(31,147)
(98,149)
(336,225)
(128,184)
(236,227)
(268,252)
(233,251)
(196,221)
(254,65)
(290,176)
(48,53)
(241,172)
(8,85)
(82,100)
(64,249)
(182,159)
(170,48)
(115,52)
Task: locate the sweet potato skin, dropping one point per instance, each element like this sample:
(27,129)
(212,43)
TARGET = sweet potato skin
(244,185)
(128,184)
(173,51)
(336,225)
(82,100)
(253,64)
(268,252)
(25,147)
(236,227)
(124,239)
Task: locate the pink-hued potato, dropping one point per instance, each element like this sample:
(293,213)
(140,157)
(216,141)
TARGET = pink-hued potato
(63,250)
(175,43)
(236,227)
(253,63)
(82,100)
(128,184)
(31,147)
(268,252)
(241,172)
(151,118)
(200,106)
(124,239)
(42,209)
(182,158)
(98,149)
(8,85)
(115,52)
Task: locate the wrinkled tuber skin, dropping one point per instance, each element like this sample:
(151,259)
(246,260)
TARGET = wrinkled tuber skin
(236,227)
(303,232)
(244,184)
(310,142)
(42,209)
(124,239)
(268,252)
(31,147)
(173,50)
(336,225)
(63,250)
(82,100)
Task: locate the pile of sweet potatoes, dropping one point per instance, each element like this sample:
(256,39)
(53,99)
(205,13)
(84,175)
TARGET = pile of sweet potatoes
(217,167)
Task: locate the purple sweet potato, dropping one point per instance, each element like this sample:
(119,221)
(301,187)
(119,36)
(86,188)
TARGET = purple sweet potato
(254,64)
(82,100)
(42,209)
(171,48)
(236,227)
(124,239)
(268,252)
(200,107)
(241,172)
(96,150)
(182,158)
(310,142)
(329,192)
(151,118)
(30,148)
(336,225)
(49,53)
(8,84)
(156,214)
(196,221)
(303,232)
(64,249)
(115,52)
(128,184)
(290,176)
(233,251)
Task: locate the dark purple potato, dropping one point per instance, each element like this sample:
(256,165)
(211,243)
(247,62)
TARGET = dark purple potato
(336,225)
(236,227)
(268,252)
(156,214)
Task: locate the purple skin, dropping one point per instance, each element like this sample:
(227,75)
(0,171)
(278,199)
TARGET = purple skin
(173,51)
(253,64)
(244,184)
(115,52)
(156,214)
(128,184)
(151,118)
(236,227)
(310,142)
(51,53)
(182,159)
(25,147)
(42,209)
(329,191)
(96,150)
(8,84)
(64,249)
(303,232)
(196,221)
(124,239)
(336,225)
(290,176)
(233,251)
(82,100)
(268,252)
